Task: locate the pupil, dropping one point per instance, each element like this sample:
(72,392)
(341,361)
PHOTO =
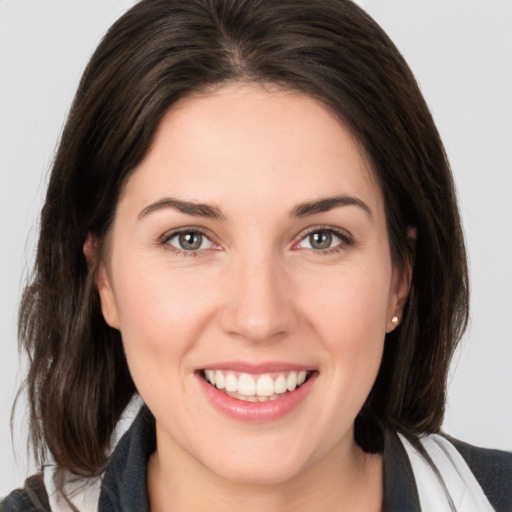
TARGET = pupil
(320,240)
(191,240)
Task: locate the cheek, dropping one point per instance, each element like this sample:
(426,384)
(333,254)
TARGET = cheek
(345,311)
(350,304)
(349,316)
(161,315)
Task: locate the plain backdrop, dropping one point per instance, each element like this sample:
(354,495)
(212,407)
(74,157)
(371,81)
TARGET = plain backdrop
(461,54)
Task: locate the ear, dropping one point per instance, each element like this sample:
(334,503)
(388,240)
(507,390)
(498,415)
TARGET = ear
(102,282)
(107,298)
(397,296)
(401,282)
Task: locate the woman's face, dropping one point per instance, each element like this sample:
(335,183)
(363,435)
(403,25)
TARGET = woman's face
(250,249)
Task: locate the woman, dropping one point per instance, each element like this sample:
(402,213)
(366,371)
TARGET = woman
(251,223)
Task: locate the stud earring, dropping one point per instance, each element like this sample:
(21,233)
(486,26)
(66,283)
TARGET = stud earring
(394,320)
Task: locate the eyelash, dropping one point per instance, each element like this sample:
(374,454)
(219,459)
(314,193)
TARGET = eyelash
(346,240)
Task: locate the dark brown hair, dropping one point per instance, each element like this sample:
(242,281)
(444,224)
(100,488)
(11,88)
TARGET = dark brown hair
(162,50)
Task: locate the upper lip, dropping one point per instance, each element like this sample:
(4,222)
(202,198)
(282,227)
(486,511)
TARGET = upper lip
(257,368)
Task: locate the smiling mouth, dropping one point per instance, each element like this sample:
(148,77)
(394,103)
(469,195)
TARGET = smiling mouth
(256,388)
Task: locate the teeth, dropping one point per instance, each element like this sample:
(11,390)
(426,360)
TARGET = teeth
(291,381)
(253,388)
(210,376)
(265,386)
(220,381)
(280,385)
(231,383)
(246,385)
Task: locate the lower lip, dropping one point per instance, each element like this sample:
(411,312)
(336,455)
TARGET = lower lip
(257,412)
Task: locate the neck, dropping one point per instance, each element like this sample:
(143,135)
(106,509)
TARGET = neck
(342,480)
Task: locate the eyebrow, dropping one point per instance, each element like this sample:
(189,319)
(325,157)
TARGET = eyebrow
(329,203)
(188,207)
(212,212)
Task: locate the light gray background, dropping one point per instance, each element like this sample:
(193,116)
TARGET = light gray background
(461,53)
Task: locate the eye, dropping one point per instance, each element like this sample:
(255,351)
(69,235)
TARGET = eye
(189,241)
(323,239)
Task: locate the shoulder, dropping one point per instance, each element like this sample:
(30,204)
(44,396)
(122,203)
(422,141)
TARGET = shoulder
(493,471)
(122,485)
(471,474)
(435,472)
(31,498)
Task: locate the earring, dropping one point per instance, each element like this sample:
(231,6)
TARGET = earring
(395,322)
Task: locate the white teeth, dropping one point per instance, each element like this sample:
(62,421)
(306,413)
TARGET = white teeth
(265,386)
(280,384)
(210,375)
(231,383)
(291,381)
(251,388)
(220,381)
(246,385)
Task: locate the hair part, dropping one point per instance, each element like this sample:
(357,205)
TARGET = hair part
(161,51)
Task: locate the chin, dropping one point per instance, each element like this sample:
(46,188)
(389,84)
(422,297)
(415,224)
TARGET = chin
(254,465)
(258,474)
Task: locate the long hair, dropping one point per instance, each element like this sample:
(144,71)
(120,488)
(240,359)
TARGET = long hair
(163,50)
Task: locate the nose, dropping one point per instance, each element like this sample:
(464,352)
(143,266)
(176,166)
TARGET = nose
(259,302)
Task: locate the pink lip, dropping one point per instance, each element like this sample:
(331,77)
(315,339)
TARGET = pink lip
(256,412)
(257,368)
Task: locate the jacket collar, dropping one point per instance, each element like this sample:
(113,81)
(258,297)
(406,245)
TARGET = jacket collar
(124,483)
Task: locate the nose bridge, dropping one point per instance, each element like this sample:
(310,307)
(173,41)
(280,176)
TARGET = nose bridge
(258,305)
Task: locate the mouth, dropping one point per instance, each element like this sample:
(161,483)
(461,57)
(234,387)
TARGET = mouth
(249,387)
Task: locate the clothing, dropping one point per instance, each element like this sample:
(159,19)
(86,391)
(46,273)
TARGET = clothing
(123,485)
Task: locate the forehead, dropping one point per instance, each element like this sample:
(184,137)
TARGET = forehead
(256,144)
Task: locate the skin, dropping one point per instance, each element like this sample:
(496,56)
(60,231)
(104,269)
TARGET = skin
(256,291)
